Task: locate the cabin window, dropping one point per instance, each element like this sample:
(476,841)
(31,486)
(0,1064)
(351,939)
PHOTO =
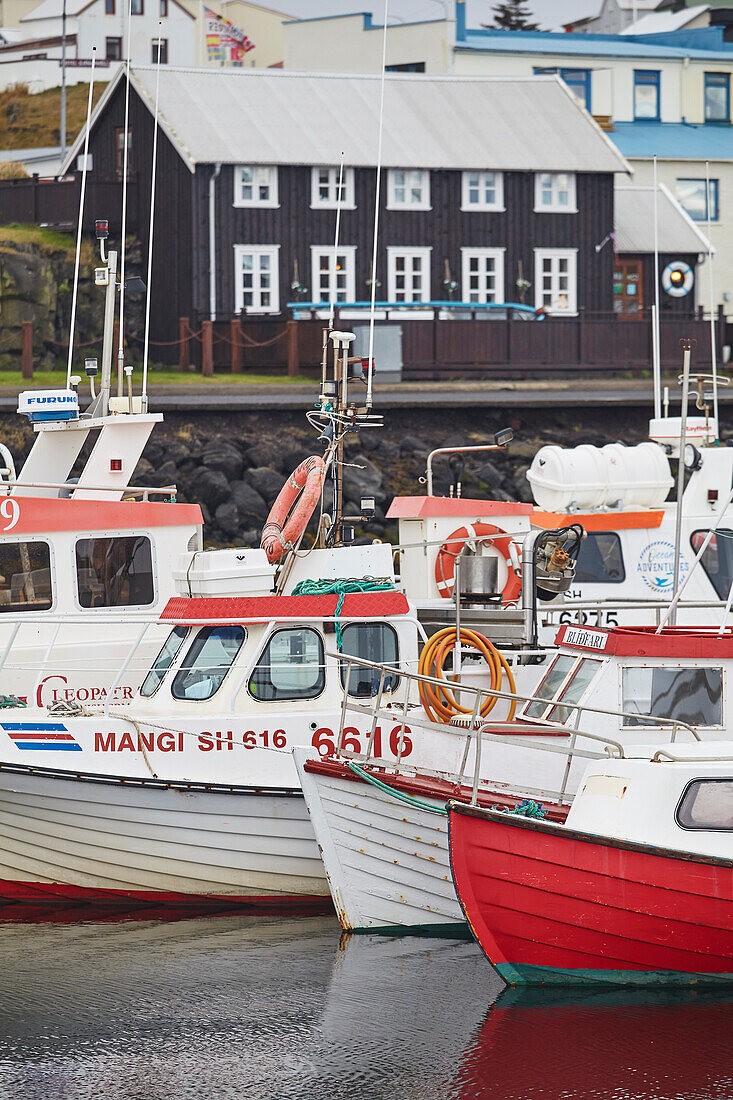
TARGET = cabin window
(115,572)
(25,576)
(291,666)
(556,284)
(163,661)
(546,693)
(482,191)
(600,560)
(574,690)
(256,279)
(375,642)
(207,662)
(707,804)
(554,192)
(408,274)
(326,194)
(408,189)
(692,695)
(334,273)
(717,561)
(483,274)
(255,185)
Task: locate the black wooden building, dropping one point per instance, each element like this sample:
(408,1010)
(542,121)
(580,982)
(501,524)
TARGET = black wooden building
(493,190)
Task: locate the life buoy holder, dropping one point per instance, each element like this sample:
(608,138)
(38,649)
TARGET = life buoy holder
(294,506)
(445,562)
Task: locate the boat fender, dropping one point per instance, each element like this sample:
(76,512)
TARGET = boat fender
(293,508)
(445,562)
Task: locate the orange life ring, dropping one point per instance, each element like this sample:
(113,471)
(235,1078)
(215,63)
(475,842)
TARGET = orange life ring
(287,519)
(445,562)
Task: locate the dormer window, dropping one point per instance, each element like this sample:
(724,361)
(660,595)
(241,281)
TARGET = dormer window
(255,185)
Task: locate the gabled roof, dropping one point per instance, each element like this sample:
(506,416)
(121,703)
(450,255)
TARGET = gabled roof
(660,22)
(264,116)
(634,218)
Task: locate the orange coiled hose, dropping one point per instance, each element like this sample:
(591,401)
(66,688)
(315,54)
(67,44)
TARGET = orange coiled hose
(440,702)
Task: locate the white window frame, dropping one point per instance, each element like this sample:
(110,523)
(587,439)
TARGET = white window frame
(555,207)
(497,204)
(571,254)
(271,169)
(392,184)
(413,253)
(319,250)
(497,254)
(271,250)
(318,203)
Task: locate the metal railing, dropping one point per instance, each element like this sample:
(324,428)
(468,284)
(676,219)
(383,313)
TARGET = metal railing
(478,726)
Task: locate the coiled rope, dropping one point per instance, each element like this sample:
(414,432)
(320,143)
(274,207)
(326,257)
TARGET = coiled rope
(344,588)
(439,702)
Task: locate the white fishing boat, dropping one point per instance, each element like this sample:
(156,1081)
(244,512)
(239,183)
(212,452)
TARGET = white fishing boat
(382,828)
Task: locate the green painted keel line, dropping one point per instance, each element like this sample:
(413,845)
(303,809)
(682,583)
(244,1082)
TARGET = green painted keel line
(516,974)
(455,931)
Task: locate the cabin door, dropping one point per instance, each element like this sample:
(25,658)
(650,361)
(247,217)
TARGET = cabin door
(628,288)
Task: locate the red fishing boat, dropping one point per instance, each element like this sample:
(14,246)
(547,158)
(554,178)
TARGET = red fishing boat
(636,887)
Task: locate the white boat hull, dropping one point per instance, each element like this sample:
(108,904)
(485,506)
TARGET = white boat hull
(387,863)
(79,837)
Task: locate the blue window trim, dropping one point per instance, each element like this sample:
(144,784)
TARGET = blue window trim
(717,80)
(645,78)
(576,79)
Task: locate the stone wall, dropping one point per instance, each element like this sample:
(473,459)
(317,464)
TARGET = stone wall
(234,466)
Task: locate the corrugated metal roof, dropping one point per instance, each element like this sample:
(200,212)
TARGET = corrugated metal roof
(673,140)
(265,116)
(634,217)
(710,45)
(661,22)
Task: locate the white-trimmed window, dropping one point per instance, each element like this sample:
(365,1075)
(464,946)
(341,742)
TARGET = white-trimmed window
(256,278)
(483,275)
(333,273)
(408,274)
(482,191)
(408,189)
(555,280)
(554,192)
(325,189)
(255,185)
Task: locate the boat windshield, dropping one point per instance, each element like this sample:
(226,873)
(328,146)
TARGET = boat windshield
(163,661)
(567,679)
(692,695)
(207,662)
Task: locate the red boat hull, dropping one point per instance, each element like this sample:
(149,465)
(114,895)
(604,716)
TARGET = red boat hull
(551,905)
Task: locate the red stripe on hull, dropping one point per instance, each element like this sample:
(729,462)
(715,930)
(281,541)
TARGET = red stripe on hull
(536,897)
(51,893)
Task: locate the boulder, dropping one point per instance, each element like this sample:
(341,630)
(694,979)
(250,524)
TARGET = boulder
(265,453)
(362,479)
(209,487)
(226,518)
(267,482)
(250,504)
(410,444)
(225,458)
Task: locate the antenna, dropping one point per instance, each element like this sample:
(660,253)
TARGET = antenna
(82,194)
(332,282)
(656,345)
(713,349)
(370,360)
(146,341)
(121,345)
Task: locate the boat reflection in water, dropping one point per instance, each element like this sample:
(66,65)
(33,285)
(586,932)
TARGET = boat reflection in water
(626,1043)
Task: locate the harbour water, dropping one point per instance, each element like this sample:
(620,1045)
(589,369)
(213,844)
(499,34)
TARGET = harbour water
(286,1009)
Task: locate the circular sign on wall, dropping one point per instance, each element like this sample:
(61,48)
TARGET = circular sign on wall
(678,279)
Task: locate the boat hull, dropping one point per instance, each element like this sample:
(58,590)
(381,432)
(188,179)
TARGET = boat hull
(64,836)
(550,905)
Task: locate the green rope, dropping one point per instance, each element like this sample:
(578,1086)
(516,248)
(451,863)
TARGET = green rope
(343,588)
(419,803)
(527,808)
(11,701)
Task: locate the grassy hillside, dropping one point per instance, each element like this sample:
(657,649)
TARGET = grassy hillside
(33,121)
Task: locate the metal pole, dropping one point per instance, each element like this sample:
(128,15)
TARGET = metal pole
(713,349)
(686,345)
(657,362)
(63,83)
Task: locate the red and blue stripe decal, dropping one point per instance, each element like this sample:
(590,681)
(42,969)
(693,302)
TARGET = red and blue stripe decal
(41,735)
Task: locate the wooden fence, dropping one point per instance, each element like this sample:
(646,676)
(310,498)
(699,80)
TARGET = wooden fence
(56,202)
